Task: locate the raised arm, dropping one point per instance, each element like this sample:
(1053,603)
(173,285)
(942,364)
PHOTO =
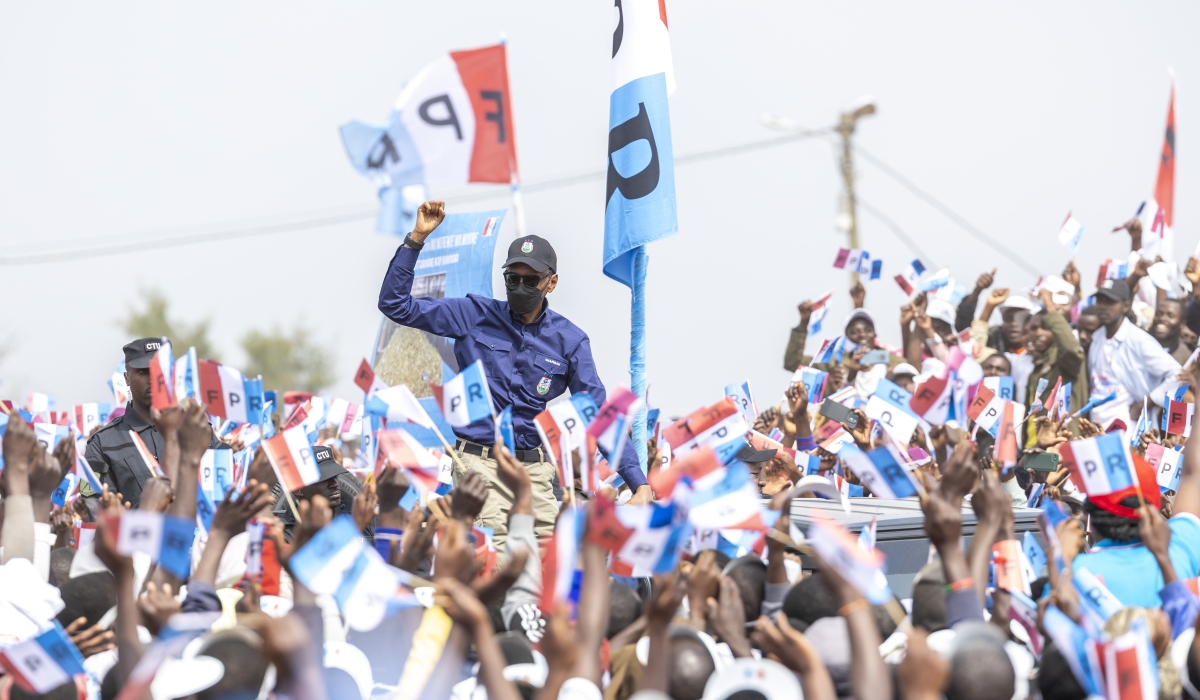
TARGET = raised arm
(452,317)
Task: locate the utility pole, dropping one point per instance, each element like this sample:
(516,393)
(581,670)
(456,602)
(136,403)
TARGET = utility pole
(845,129)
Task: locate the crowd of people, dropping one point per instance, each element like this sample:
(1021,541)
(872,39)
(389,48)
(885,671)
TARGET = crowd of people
(766,616)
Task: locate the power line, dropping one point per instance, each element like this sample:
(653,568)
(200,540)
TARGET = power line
(887,221)
(947,211)
(156,240)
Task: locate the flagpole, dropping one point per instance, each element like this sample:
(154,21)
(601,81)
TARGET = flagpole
(637,350)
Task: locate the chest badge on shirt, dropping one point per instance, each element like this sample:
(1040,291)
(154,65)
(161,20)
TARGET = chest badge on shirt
(543,386)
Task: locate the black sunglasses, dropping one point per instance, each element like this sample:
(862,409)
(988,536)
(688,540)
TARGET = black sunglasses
(512,279)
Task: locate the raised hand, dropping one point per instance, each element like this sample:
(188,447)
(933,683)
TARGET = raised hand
(1071,274)
(45,474)
(703,582)
(429,216)
(195,432)
(805,308)
(997,297)
(469,496)
(20,447)
(924,672)
(417,542)
(167,420)
(985,280)
(727,618)
(461,605)
(157,496)
(239,506)
(664,599)
(390,488)
(858,294)
(455,558)
(364,506)
(514,475)
(90,640)
(157,605)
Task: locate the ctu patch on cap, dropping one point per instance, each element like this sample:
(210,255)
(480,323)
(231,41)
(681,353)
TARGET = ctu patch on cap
(323,453)
(527,247)
(153,346)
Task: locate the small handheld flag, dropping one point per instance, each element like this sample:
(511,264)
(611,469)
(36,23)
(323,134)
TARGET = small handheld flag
(45,662)
(291,457)
(820,307)
(165,538)
(908,278)
(465,398)
(1070,234)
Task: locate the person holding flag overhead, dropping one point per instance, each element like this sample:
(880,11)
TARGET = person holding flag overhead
(530,355)
(111,450)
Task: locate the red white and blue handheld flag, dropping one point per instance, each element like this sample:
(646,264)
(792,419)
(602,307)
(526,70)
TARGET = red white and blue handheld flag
(165,538)
(43,663)
(465,398)
(909,277)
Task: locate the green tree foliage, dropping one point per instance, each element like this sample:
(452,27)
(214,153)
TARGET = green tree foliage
(152,321)
(288,360)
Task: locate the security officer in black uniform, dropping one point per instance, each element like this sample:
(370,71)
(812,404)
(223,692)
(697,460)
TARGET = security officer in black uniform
(111,451)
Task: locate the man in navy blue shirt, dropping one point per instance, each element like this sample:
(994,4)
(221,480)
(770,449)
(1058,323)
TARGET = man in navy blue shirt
(530,354)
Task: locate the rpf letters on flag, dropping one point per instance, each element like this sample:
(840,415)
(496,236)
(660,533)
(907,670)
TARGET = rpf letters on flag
(45,662)
(1099,465)
(640,199)
(451,124)
(292,457)
(465,398)
(229,394)
(165,538)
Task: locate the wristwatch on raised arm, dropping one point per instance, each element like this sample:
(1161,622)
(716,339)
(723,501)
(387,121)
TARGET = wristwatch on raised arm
(408,241)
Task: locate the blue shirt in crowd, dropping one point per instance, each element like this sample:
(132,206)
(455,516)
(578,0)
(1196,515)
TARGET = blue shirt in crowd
(527,365)
(1130,571)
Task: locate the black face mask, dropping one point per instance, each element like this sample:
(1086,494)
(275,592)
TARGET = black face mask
(522,299)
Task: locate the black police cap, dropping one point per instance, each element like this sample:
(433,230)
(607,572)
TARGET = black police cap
(139,352)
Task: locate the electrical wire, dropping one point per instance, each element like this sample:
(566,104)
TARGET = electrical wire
(887,221)
(945,209)
(170,238)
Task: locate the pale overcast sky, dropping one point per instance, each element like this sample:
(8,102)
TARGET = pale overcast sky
(123,117)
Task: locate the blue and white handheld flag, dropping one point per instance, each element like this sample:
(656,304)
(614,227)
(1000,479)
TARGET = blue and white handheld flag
(744,400)
(640,197)
(1070,234)
(465,398)
(880,471)
(45,662)
(338,562)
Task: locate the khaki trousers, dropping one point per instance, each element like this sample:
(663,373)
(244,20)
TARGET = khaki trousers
(500,498)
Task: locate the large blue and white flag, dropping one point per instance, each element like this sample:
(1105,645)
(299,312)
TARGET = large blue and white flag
(640,197)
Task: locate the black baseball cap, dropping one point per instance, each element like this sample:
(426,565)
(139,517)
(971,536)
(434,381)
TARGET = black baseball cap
(139,352)
(534,251)
(326,464)
(754,456)
(1116,290)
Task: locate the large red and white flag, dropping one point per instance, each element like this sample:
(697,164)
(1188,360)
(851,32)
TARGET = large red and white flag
(458,113)
(1158,214)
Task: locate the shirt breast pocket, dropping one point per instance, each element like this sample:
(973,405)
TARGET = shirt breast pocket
(548,376)
(495,351)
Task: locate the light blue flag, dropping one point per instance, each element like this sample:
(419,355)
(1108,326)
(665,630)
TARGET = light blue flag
(504,429)
(640,198)
(388,157)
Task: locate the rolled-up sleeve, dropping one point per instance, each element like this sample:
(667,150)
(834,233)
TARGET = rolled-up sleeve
(585,378)
(450,317)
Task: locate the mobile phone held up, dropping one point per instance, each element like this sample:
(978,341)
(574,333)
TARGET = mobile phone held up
(837,412)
